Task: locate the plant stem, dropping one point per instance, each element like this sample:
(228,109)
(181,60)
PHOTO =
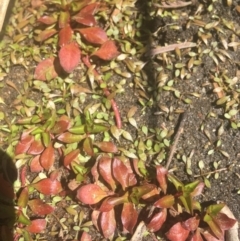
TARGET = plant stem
(106,93)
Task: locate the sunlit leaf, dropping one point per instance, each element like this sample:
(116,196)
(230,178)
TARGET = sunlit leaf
(85,237)
(90,8)
(65,36)
(177,233)
(107,51)
(88,146)
(191,224)
(162,177)
(49,20)
(224,221)
(23,144)
(85,19)
(37,226)
(157,220)
(63,124)
(22,218)
(70,157)
(91,194)
(36,147)
(94,35)
(107,146)
(48,187)
(47,157)
(166,201)
(39,207)
(23,198)
(64,19)
(69,56)
(45,34)
(129,217)
(94,217)
(45,70)
(35,165)
(69,138)
(108,224)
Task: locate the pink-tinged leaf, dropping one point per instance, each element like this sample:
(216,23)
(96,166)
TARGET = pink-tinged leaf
(196,236)
(191,224)
(24,143)
(49,20)
(70,157)
(129,217)
(23,198)
(37,226)
(36,147)
(105,205)
(70,138)
(39,207)
(69,56)
(65,36)
(94,35)
(162,177)
(45,34)
(85,237)
(95,216)
(91,194)
(107,51)
(85,19)
(198,190)
(157,220)
(90,8)
(107,146)
(94,171)
(166,201)
(88,146)
(214,226)
(64,19)
(45,70)
(108,224)
(47,157)
(105,169)
(35,165)
(209,237)
(135,162)
(177,233)
(63,124)
(55,175)
(48,187)
(224,221)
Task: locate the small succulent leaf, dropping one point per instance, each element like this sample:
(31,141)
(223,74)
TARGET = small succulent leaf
(95,218)
(69,138)
(191,187)
(21,218)
(85,19)
(36,147)
(108,224)
(91,194)
(64,19)
(35,165)
(166,201)
(71,156)
(21,148)
(63,124)
(85,237)
(48,20)
(105,170)
(97,128)
(23,198)
(214,226)
(162,177)
(198,189)
(107,51)
(191,224)
(69,56)
(224,221)
(45,34)
(175,181)
(77,129)
(151,196)
(47,186)
(65,36)
(90,8)
(214,209)
(135,162)
(76,6)
(94,35)
(107,146)
(47,157)
(177,233)
(88,146)
(157,220)
(45,70)
(39,207)
(129,217)
(37,226)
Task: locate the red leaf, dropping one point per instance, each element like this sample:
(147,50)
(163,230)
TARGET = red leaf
(196,236)
(198,190)
(91,194)
(63,124)
(85,19)
(108,224)
(45,70)
(35,164)
(107,146)
(47,20)
(37,226)
(36,147)
(88,146)
(105,169)
(47,158)
(191,224)
(162,177)
(177,233)
(129,217)
(94,216)
(39,207)
(166,201)
(70,157)
(69,56)
(94,35)
(65,36)
(90,8)
(24,144)
(48,187)
(45,34)
(70,138)
(85,237)
(107,51)
(210,237)
(224,221)
(157,220)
